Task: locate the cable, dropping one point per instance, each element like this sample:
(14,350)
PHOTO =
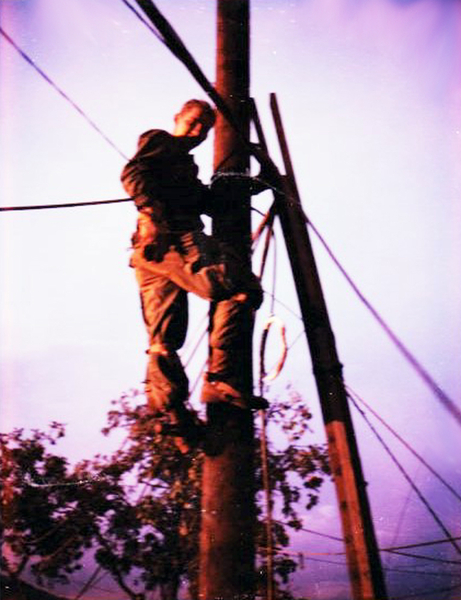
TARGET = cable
(421,544)
(408,478)
(32,63)
(311,555)
(201,327)
(63,205)
(196,346)
(89,583)
(419,572)
(401,518)
(144,21)
(268,499)
(427,593)
(422,557)
(308,557)
(325,535)
(446,401)
(406,444)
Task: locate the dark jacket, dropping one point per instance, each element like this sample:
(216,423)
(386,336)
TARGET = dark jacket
(162,177)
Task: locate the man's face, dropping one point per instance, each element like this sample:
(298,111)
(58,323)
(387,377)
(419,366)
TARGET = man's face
(193,123)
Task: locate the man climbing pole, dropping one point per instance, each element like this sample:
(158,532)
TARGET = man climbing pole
(172,256)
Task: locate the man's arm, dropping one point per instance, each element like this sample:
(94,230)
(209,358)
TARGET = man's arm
(140,175)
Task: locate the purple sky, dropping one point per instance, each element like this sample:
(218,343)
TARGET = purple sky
(370,95)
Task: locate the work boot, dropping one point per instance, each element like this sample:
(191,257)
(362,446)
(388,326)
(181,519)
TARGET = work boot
(220,391)
(180,423)
(186,428)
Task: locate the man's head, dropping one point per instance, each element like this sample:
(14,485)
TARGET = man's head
(194,121)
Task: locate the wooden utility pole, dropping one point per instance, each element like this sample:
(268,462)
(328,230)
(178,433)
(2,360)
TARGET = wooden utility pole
(363,558)
(227,552)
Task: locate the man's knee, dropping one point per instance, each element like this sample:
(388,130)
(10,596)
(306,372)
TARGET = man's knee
(166,381)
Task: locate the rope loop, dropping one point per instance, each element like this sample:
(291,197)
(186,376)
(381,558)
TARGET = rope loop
(273,320)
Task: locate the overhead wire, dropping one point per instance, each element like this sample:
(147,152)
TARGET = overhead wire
(426,592)
(421,544)
(314,556)
(401,518)
(63,205)
(418,571)
(314,532)
(442,396)
(174,43)
(420,495)
(423,557)
(265,470)
(63,94)
(143,20)
(405,443)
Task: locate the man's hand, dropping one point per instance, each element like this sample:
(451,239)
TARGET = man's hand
(156,252)
(152,238)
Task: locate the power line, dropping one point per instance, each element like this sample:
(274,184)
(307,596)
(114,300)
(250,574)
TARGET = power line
(422,557)
(427,593)
(410,481)
(325,535)
(402,514)
(313,556)
(421,544)
(420,572)
(393,550)
(63,205)
(405,443)
(138,15)
(446,401)
(74,105)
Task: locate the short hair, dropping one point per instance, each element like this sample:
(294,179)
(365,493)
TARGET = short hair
(206,108)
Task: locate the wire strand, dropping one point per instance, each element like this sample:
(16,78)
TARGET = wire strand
(446,401)
(143,20)
(427,593)
(428,506)
(42,74)
(62,205)
(405,443)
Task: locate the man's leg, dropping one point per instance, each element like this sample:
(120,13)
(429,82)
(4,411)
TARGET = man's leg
(225,380)
(165,312)
(215,272)
(204,267)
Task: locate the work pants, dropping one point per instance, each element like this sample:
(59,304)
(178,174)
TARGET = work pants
(199,264)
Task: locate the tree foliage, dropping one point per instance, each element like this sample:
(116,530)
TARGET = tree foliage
(137,511)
